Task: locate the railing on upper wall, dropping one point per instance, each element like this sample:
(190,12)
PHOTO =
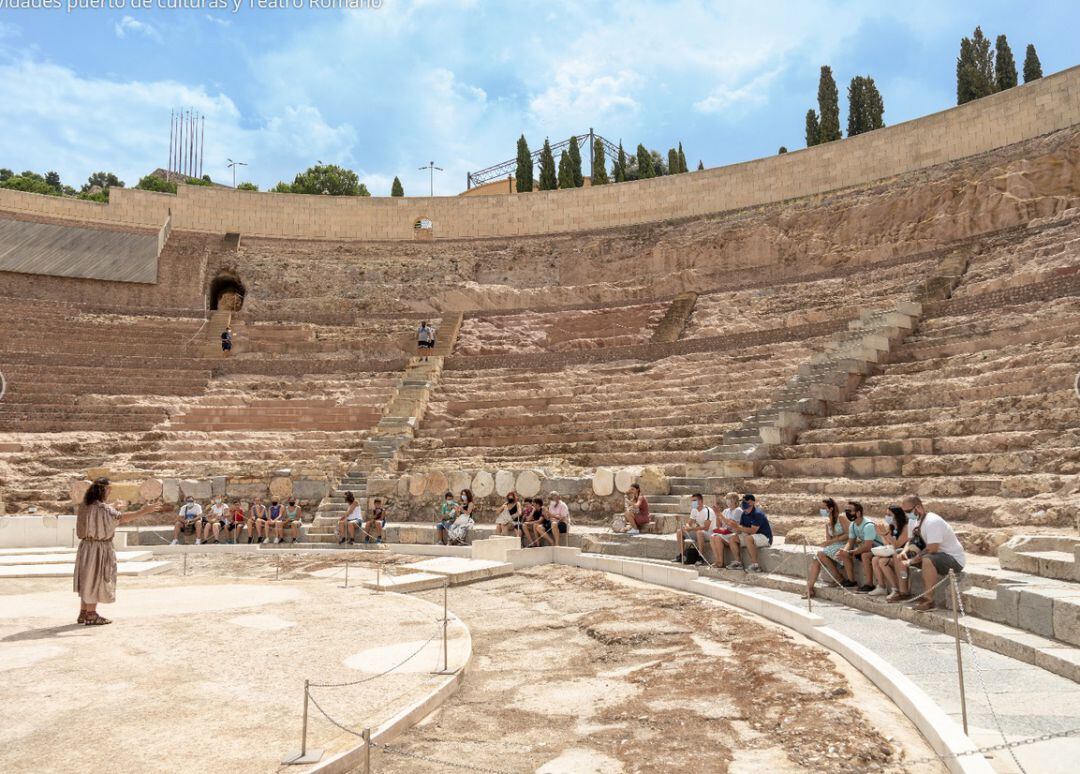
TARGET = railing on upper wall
(163,233)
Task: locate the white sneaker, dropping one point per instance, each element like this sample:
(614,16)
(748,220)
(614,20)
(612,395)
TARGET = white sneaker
(198,542)
(277,540)
(633,532)
(174,543)
(879,591)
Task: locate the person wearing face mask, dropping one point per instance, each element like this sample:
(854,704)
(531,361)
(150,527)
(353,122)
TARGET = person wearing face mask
(698,525)
(942,552)
(752,531)
(444,517)
(458,533)
(862,537)
(835,538)
(722,531)
(189,519)
(213,526)
(895,535)
(507,522)
(556,518)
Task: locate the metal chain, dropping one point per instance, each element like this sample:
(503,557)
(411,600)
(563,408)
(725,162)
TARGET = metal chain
(451,764)
(944,757)
(369,678)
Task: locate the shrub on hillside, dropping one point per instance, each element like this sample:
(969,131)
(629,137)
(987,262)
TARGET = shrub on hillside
(155,183)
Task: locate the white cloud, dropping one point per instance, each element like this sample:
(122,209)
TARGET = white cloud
(130,25)
(737,100)
(218,20)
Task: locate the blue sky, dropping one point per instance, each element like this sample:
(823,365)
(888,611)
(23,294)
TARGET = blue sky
(384,90)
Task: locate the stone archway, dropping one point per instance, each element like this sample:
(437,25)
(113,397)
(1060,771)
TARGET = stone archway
(226,292)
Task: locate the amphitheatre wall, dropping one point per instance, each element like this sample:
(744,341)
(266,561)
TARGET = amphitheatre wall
(1009,117)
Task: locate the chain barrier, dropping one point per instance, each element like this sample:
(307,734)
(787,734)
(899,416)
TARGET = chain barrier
(369,678)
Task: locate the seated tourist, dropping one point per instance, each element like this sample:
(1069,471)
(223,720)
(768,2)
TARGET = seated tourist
(862,538)
(697,527)
(257,516)
(835,539)
(556,518)
(189,519)
(637,511)
(290,521)
(444,517)
(234,522)
(351,521)
(508,520)
(894,537)
(458,532)
(722,531)
(942,550)
(376,523)
(752,531)
(274,514)
(215,520)
(532,522)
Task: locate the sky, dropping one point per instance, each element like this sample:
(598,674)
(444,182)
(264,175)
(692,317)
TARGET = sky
(383,89)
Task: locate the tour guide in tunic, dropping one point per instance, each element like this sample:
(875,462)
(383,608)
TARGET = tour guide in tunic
(95,563)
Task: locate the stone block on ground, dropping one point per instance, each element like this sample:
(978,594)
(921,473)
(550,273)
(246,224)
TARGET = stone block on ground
(483,484)
(382,487)
(170,490)
(625,477)
(128,491)
(150,490)
(416,485)
(603,482)
(504,482)
(459,570)
(460,479)
(218,485)
(528,483)
(199,489)
(311,489)
(653,481)
(281,487)
(436,483)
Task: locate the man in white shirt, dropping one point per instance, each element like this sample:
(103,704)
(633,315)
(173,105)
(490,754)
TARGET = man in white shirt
(698,526)
(189,519)
(556,518)
(942,553)
(218,511)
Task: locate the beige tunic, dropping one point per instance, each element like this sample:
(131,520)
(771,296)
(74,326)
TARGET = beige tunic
(95,563)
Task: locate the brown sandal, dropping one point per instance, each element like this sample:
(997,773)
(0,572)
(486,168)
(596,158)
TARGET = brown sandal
(82,617)
(93,619)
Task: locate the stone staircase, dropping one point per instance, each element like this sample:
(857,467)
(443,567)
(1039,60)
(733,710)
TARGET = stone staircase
(446,335)
(674,320)
(208,343)
(333,507)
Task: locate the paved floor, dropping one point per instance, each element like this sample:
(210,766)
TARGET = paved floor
(1028,700)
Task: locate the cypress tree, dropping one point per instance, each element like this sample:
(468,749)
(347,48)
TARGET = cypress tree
(812,130)
(1004,65)
(575,163)
(523,178)
(700,166)
(965,68)
(828,107)
(599,176)
(620,165)
(1032,66)
(673,161)
(644,163)
(548,181)
(865,106)
(983,61)
(682,159)
(566,171)
(783,149)
(874,105)
(659,166)
(396,189)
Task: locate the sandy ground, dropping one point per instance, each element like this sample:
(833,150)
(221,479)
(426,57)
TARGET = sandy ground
(204,672)
(578,671)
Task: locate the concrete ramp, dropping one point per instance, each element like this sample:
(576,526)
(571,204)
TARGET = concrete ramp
(73,251)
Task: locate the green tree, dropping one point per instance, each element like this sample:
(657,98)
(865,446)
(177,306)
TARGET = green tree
(247,187)
(1032,66)
(700,166)
(155,183)
(1004,65)
(682,159)
(206,179)
(396,188)
(574,153)
(53,179)
(548,180)
(673,161)
(828,107)
(783,149)
(865,106)
(523,177)
(965,68)
(198,181)
(974,68)
(329,179)
(30,182)
(645,168)
(620,165)
(566,171)
(599,163)
(281,187)
(812,129)
(104,180)
(659,166)
(5,174)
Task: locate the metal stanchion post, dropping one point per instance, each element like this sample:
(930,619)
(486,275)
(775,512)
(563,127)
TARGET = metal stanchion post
(72,538)
(367,751)
(959,655)
(346,575)
(445,625)
(378,579)
(305,755)
(185,564)
(809,590)
(277,569)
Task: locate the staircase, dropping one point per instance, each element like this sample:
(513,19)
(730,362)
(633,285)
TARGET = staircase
(671,326)
(446,335)
(333,507)
(208,341)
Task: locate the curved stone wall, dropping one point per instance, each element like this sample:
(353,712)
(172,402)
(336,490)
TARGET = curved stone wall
(1002,119)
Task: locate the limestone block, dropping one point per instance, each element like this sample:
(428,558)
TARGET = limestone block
(281,487)
(653,481)
(218,485)
(150,490)
(436,483)
(377,487)
(603,482)
(1036,613)
(92,473)
(528,483)
(802,536)
(78,489)
(504,482)
(624,477)
(246,489)
(128,491)
(415,485)
(311,489)
(170,490)
(483,484)
(1067,620)
(567,487)
(460,479)
(190,487)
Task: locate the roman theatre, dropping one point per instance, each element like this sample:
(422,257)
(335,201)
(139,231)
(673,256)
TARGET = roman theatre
(893,313)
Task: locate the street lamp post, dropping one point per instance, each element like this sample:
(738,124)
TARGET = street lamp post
(233,165)
(430,166)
